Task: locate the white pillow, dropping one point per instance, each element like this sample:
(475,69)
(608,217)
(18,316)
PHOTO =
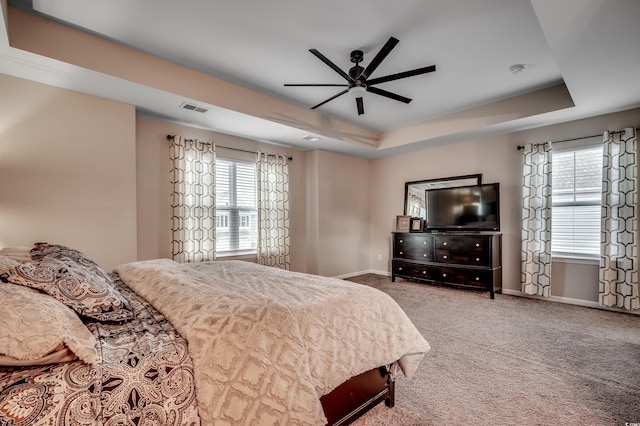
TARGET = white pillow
(33,326)
(6,264)
(17,253)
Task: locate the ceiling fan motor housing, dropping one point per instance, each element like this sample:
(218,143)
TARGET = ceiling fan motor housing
(355,73)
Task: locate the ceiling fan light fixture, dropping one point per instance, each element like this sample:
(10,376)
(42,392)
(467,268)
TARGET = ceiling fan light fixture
(357,91)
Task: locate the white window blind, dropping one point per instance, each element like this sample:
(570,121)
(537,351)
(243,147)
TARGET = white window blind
(236,207)
(576,199)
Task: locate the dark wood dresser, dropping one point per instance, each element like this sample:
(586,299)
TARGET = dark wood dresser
(471,260)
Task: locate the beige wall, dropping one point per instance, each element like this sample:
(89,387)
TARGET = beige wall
(339,190)
(312,226)
(67,171)
(498,160)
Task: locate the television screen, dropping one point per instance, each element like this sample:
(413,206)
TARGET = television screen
(475,207)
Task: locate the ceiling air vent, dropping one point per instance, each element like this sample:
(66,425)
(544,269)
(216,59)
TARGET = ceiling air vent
(192,107)
(311,138)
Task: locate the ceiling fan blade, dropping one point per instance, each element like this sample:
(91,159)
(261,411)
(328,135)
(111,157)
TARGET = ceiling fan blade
(317,85)
(400,75)
(360,105)
(330,64)
(330,99)
(387,94)
(389,45)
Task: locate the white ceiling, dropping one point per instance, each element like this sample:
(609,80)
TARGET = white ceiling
(588,45)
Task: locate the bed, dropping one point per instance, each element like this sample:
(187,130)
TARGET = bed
(220,343)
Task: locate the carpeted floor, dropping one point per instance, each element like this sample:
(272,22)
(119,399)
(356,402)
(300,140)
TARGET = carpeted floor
(512,361)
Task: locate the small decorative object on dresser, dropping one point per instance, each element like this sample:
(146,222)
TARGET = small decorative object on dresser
(416,224)
(403,223)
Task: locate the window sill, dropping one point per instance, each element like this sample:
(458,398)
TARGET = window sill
(575,259)
(237,256)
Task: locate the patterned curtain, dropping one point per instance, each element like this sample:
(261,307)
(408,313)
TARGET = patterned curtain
(535,275)
(273,210)
(193,202)
(619,248)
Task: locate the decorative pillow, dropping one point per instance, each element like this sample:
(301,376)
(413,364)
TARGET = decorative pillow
(6,263)
(36,328)
(19,254)
(69,256)
(75,286)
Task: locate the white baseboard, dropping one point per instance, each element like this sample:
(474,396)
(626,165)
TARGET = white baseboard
(568,300)
(368,271)
(511,292)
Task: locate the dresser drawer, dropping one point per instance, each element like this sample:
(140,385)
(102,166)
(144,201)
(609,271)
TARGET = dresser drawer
(413,246)
(471,259)
(460,243)
(471,250)
(411,270)
(464,276)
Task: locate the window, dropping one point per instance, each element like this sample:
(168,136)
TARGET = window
(222,220)
(236,207)
(576,199)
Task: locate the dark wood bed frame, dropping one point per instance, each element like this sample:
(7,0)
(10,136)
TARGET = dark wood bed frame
(358,395)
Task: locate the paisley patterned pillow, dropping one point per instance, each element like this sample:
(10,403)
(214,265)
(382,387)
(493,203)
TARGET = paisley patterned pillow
(76,286)
(35,327)
(69,256)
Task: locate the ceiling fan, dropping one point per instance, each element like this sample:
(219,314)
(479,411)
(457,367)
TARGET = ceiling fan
(358,80)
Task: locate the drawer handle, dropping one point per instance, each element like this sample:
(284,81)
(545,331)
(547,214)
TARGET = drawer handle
(477,278)
(477,244)
(477,259)
(400,268)
(444,244)
(425,243)
(401,253)
(424,255)
(400,240)
(424,272)
(444,257)
(444,275)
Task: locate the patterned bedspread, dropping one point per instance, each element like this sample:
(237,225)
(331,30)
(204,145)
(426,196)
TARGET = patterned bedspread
(222,343)
(145,378)
(267,343)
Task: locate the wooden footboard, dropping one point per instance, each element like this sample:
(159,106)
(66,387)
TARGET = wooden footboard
(358,395)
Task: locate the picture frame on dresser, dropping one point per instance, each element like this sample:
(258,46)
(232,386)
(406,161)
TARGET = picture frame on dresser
(416,224)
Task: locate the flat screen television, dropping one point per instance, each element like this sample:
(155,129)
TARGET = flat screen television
(463,208)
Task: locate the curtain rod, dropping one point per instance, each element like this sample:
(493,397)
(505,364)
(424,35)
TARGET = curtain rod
(573,139)
(172,137)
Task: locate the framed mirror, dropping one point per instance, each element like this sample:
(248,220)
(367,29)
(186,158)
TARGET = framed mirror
(414,203)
